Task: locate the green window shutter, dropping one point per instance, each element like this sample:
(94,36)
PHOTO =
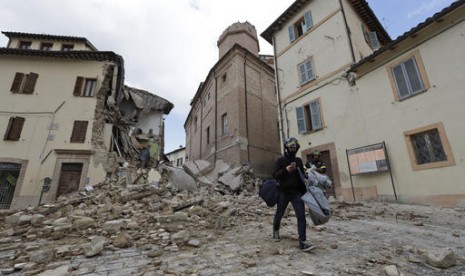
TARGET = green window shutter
(301,124)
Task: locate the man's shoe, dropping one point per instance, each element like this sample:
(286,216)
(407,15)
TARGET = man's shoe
(306,246)
(275,235)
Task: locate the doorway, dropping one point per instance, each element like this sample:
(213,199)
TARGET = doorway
(9,174)
(325,157)
(70,178)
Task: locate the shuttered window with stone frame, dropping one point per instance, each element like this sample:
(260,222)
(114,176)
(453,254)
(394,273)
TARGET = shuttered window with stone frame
(79,132)
(309,117)
(24,83)
(85,87)
(14,128)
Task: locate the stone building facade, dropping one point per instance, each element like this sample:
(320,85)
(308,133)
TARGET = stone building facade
(233,114)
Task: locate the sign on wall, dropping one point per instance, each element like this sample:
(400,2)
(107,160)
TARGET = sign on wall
(368,159)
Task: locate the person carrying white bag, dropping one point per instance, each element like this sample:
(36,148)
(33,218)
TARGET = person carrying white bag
(315,197)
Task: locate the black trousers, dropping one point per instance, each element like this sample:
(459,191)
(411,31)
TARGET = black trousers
(299,209)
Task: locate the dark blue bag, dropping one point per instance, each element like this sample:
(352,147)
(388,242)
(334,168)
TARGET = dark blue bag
(269,192)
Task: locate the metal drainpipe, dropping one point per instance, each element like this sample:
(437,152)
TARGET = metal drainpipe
(216,116)
(246,108)
(347,31)
(201,127)
(278,93)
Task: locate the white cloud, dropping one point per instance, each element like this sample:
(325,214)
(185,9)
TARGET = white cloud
(426,8)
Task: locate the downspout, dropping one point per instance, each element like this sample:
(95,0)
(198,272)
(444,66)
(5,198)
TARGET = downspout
(246,108)
(201,127)
(216,116)
(347,31)
(278,93)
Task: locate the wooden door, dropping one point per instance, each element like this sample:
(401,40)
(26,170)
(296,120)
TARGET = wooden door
(70,177)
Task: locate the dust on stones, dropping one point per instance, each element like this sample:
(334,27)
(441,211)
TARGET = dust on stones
(209,220)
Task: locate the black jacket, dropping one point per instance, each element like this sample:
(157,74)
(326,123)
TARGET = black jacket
(289,182)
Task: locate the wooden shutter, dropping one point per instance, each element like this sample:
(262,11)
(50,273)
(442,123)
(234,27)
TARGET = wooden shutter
(308,21)
(79,132)
(374,41)
(301,124)
(303,74)
(291,33)
(16,86)
(78,86)
(315,115)
(309,70)
(30,83)
(401,82)
(15,126)
(413,75)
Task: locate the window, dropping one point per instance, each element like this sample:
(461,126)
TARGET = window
(179,162)
(208,135)
(224,123)
(309,117)
(429,147)
(370,37)
(408,77)
(24,83)
(85,87)
(14,128)
(195,123)
(306,72)
(25,45)
(302,25)
(224,79)
(46,46)
(79,132)
(67,47)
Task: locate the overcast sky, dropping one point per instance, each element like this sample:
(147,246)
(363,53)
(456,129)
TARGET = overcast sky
(169,46)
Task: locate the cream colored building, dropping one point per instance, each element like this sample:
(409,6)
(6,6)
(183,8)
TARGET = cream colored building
(60,99)
(386,115)
(177,157)
(233,114)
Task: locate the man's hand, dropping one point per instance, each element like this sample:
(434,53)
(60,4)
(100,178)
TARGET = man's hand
(291,167)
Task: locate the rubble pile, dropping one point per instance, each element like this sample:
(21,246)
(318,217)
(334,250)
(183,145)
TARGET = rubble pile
(147,208)
(208,220)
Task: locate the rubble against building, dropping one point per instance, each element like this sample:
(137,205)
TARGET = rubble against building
(143,208)
(125,209)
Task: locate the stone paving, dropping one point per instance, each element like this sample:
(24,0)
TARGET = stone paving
(146,229)
(358,246)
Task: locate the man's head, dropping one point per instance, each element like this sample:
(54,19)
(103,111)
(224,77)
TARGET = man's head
(291,145)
